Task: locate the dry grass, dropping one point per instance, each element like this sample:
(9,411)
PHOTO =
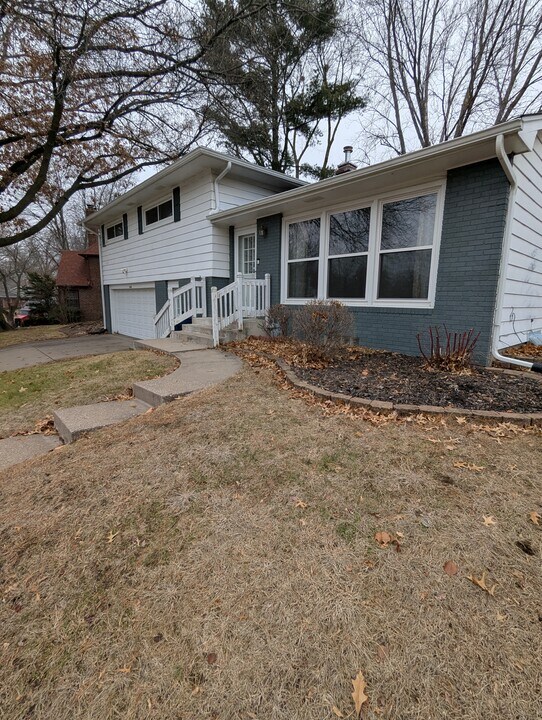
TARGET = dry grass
(27,395)
(216,559)
(31,334)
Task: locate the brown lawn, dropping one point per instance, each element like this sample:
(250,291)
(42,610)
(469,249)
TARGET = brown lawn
(216,559)
(31,334)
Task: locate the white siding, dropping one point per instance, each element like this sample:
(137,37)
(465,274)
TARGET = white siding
(235,192)
(175,250)
(191,247)
(522,305)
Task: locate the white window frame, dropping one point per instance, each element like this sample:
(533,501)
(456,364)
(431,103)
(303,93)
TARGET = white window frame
(117,237)
(153,204)
(376,204)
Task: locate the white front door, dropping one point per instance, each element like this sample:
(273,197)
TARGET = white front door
(246,254)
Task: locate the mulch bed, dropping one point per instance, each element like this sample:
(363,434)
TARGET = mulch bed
(404,380)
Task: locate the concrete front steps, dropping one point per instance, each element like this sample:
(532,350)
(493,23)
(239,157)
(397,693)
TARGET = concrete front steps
(200,331)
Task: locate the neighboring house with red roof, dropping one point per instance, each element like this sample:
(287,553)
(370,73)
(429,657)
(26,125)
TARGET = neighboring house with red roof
(78,282)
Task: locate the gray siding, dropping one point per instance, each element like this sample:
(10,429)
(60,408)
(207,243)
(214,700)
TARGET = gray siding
(232,252)
(218,283)
(470,251)
(160,293)
(107,309)
(471,245)
(268,250)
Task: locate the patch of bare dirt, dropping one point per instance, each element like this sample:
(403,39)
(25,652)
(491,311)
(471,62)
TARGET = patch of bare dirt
(401,379)
(404,380)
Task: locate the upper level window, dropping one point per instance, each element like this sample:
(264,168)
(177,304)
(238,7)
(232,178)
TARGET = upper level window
(347,253)
(303,252)
(114,231)
(408,228)
(159,212)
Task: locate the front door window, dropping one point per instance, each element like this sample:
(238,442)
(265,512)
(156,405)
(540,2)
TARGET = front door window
(247,255)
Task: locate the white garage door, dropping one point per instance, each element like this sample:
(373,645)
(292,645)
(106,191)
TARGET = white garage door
(132,312)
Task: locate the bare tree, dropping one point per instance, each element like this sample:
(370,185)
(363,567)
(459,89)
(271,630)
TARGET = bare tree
(441,68)
(91,91)
(15,263)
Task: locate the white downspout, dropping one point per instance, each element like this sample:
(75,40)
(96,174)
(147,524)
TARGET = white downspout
(216,188)
(510,174)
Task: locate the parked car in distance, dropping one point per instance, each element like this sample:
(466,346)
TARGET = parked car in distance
(22,316)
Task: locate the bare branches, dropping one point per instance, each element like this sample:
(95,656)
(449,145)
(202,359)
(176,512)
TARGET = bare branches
(448,66)
(86,92)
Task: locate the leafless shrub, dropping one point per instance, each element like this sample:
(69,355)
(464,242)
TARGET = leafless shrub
(324,325)
(277,320)
(451,353)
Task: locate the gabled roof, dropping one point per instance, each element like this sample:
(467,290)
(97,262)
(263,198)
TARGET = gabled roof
(193,162)
(425,165)
(73,270)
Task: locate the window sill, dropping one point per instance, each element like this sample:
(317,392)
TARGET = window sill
(389,304)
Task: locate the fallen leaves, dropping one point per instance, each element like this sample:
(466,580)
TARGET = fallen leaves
(450,568)
(468,466)
(383,538)
(359,695)
(481,583)
(535,517)
(489,520)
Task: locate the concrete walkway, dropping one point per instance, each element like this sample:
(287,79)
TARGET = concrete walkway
(200,368)
(44,351)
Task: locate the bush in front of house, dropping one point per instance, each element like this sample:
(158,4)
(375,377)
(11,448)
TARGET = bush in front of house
(277,320)
(325,325)
(448,351)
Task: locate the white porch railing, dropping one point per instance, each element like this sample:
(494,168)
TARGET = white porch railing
(183,303)
(243,298)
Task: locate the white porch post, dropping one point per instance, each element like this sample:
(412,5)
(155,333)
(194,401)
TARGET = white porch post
(214,313)
(267,303)
(239,300)
(171,310)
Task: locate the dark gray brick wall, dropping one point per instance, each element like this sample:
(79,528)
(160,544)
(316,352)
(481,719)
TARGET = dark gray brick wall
(160,293)
(268,252)
(107,309)
(232,252)
(216,282)
(470,251)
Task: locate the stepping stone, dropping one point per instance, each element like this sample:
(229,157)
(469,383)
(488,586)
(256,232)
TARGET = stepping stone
(73,422)
(14,450)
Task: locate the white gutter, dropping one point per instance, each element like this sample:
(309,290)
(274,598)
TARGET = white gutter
(217,189)
(511,175)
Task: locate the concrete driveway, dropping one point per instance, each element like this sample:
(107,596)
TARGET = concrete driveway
(27,354)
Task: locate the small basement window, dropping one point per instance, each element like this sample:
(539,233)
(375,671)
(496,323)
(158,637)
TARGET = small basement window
(114,231)
(159,212)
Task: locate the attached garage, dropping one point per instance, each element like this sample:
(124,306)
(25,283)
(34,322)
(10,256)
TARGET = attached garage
(133,310)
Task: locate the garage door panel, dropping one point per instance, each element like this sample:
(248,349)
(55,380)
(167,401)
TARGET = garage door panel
(133,311)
